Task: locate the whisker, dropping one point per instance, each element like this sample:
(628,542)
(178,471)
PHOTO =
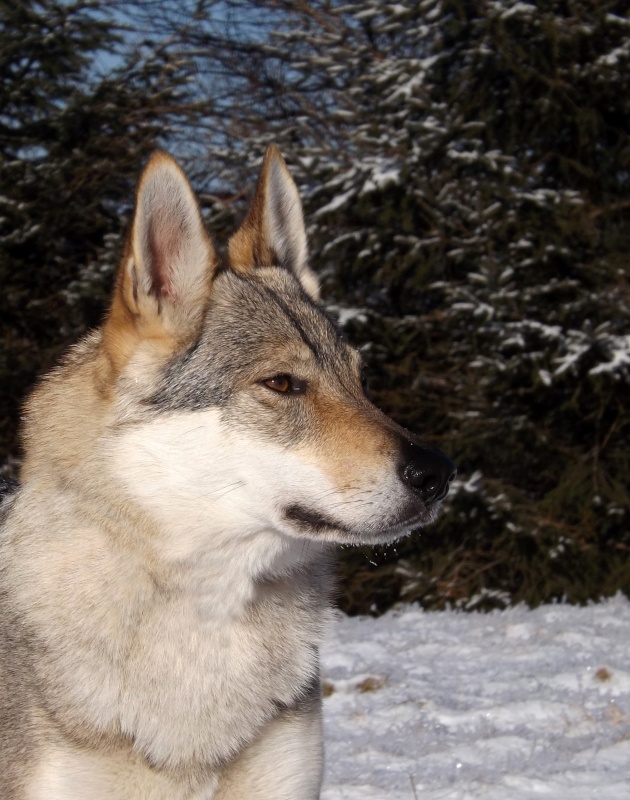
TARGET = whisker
(185,433)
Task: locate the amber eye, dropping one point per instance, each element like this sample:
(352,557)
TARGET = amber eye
(279,383)
(285,384)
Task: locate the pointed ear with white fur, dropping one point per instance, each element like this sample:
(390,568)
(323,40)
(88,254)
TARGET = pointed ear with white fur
(164,279)
(273,232)
(172,255)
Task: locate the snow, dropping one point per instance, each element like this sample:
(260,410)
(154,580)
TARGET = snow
(619,347)
(520,704)
(347,313)
(524,9)
(612,59)
(380,177)
(337,202)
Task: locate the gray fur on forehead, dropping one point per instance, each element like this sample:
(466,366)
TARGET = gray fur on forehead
(272,302)
(249,322)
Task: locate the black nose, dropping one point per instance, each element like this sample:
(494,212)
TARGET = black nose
(427,472)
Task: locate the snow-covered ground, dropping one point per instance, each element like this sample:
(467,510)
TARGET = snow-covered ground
(514,705)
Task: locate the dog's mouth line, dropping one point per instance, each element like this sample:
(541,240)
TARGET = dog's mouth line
(311,521)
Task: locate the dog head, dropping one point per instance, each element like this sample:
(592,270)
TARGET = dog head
(241,404)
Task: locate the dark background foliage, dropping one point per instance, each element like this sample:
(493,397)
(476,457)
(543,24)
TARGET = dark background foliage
(465,169)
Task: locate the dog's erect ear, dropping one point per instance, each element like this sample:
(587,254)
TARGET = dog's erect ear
(165,276)
(273,232)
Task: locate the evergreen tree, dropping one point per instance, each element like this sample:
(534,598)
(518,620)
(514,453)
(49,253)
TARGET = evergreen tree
(79,112)
(466,169)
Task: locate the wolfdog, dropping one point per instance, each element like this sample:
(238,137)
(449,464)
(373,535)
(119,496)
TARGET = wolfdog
(165,562)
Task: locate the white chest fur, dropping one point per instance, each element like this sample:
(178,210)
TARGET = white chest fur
(189,671)
(196,689)
(66,774)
